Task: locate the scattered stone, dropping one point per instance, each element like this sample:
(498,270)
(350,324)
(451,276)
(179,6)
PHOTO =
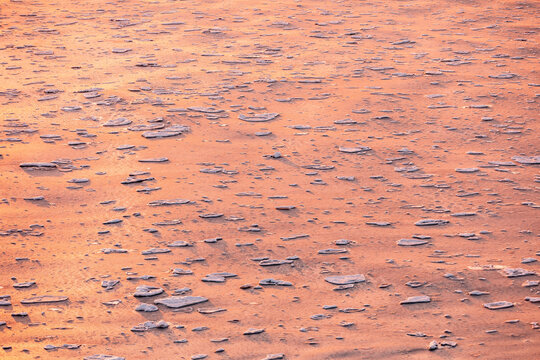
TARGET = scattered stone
(516,272)
(416,300)
(180,301)
(147,290)
(411,242)
(498,305)
(345,279)
(44,299)
(431,222)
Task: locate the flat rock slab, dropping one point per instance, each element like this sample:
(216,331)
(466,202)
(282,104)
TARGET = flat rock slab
(179,271)
(411,242)
(498,305)
(258,117)
(149,325)
(146,127)
(154,160)
(117,122)
(332,251)
(104,357)
(207,110)
(168,132)
(285,207)
(345,279)
(210,215)
(354,150)
(168,202)
(23,285)
(431,222)
(378,223)
(155,251)
(38,165)
(516,272)
(416,300)
(114,251)
(253,331)
(274,357)
(112,221)
(178,243)
(44,299)
(274,282)
(527,160)
(274,262)
(180,301)
(146,290)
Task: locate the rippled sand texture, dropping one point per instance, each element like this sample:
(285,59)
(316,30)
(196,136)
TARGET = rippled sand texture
(269,179)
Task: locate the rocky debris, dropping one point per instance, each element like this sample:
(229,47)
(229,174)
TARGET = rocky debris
(146,308)
(263,117)
(332,251)
(527,160)
(180,301)
(154,160)
(416,300)
(467,170)
(178,271)
(114,251)
(121,121)
(274,262)
(147,290)
(345,279)
(166,132)
(44,299)
(112,221)
(309,136)
(154,251)
(285,207)
(5,300)
(149,325)
(210,215)
(516,272)
(168,202)
(23,285)
(431,222)
(498,305)
(38,166)
(274,357)
(131,180)
(378,223)
(354,150)
(210,311)
(411,242)
(274,282)
(206,110)
(178,243)
(65,346)
(199,356)
(218,277)
(109,284)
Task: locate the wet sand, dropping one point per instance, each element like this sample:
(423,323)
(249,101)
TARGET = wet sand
(254,140)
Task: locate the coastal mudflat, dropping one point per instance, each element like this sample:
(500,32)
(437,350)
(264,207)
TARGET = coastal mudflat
(269,179)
